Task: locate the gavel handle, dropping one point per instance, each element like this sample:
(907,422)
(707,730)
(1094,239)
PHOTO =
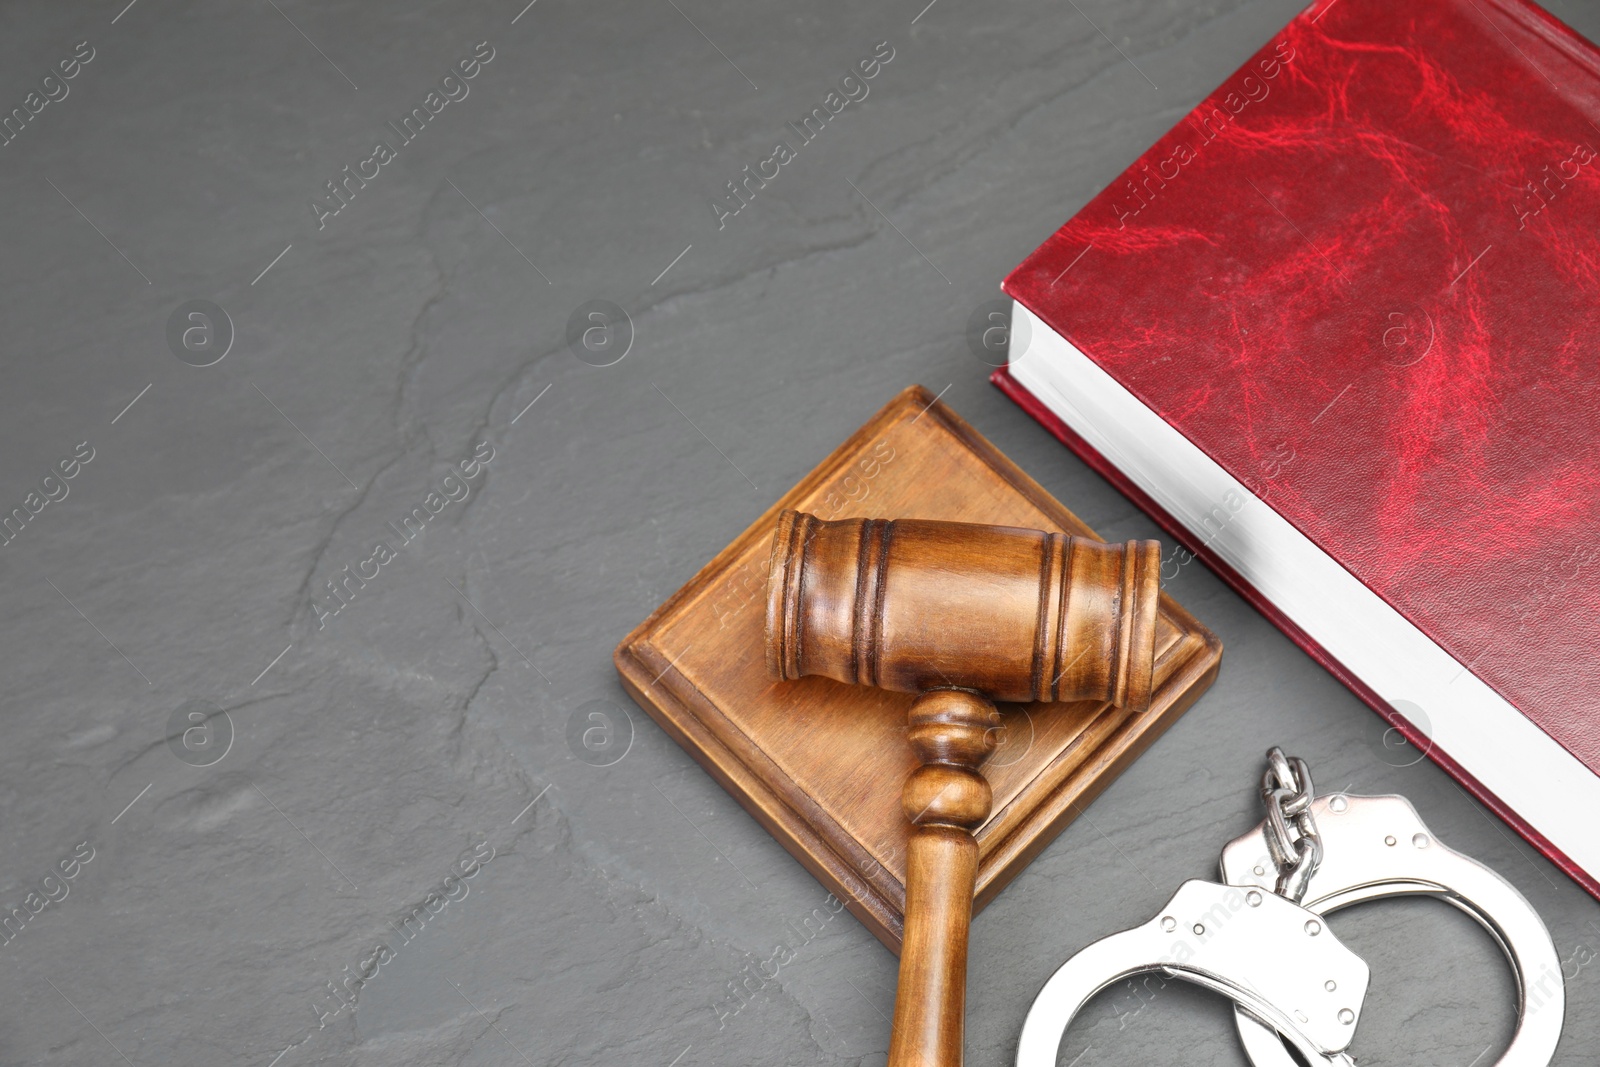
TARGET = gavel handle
(930,1006)
(953,732)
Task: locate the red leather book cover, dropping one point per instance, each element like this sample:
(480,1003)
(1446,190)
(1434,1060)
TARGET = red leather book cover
(1375,249)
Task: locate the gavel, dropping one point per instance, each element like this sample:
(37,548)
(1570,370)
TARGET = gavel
(962,615)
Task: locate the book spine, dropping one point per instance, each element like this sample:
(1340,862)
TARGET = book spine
(1552,31)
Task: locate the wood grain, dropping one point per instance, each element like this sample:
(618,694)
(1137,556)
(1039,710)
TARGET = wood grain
(820,763)
(919,604)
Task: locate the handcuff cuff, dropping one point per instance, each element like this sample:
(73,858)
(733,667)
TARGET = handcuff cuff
(1260,939)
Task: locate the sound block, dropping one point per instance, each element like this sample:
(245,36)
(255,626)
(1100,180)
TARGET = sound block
(820,764)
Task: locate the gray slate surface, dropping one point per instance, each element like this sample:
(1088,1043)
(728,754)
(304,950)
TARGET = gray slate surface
(419,724)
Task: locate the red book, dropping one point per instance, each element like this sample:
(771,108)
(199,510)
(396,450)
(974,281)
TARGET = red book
(1337,332)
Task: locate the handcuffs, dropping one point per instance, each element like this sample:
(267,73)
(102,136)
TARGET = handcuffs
(1259,937)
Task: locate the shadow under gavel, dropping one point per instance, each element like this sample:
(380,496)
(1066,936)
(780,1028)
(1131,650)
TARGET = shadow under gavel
(963,615)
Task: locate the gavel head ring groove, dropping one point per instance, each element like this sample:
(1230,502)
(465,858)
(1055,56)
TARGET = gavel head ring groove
(913,605)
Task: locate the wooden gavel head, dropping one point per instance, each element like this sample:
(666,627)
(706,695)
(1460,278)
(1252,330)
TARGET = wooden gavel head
(914,605)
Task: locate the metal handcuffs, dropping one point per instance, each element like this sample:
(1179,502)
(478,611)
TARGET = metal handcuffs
(1260,940)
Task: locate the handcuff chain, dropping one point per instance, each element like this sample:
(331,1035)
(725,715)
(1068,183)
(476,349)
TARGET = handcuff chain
(1291,832)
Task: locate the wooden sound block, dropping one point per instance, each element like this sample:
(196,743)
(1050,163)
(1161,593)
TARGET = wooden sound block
(821,764)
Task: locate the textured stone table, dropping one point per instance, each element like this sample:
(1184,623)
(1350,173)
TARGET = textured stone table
(425,748)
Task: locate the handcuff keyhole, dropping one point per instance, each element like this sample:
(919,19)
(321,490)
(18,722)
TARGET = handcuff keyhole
(1347,1016)
(1313,927)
